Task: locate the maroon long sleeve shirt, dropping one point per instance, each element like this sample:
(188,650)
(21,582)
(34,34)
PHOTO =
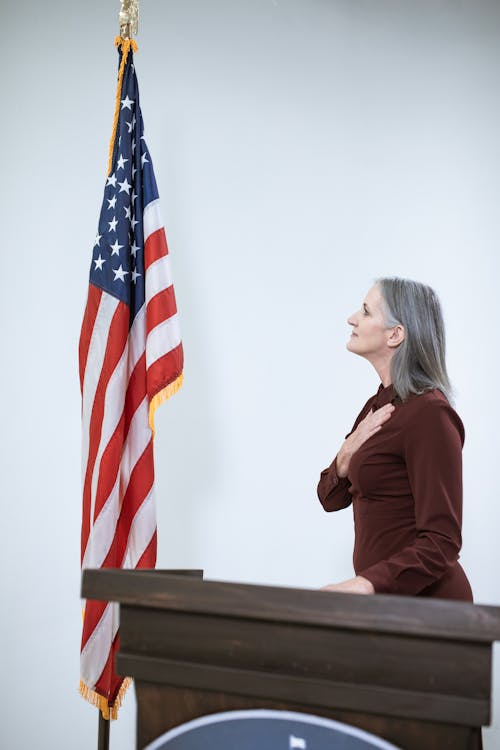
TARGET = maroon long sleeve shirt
(405,486)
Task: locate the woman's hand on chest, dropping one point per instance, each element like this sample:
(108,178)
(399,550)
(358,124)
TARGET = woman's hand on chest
(368,426)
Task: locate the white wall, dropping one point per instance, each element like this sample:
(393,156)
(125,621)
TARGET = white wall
(301,149)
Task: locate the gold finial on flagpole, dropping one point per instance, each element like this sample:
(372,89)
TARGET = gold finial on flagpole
(128,18)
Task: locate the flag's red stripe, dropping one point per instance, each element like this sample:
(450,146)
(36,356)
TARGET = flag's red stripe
(161,307)
(93,300)
(165,370)
(141,482)
(155,247)
(108,469)
(102,686)
(117,338)
(109,682)
(136,392)
(110,461)
(94,610)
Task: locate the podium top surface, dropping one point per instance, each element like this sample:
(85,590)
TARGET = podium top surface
(416,616)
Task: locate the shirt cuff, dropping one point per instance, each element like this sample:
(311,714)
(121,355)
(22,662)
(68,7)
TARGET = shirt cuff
(380,578)
(333,478)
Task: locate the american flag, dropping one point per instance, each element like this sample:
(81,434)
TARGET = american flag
(131,359)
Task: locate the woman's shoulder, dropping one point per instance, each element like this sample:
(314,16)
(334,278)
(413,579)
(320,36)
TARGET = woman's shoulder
(433,410)
(433,396)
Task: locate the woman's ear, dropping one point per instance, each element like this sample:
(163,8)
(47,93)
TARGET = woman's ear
(397,336)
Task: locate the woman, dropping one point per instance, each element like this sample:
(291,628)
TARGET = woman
(401,464)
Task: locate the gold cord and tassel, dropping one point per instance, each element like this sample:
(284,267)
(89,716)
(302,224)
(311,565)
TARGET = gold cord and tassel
(126,46)
(128,19)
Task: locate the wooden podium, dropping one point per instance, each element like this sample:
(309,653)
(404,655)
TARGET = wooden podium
(415,672)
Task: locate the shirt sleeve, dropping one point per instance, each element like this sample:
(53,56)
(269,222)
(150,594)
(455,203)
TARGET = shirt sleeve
(333,491)
(433,454)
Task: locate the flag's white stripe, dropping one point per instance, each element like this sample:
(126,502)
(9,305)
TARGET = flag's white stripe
(151,218)
(162,339)
(137,338)
(93,367)
(158,277)
(113,408)
(96,651)
(141,532)
(116,621)
(138,437)
(103,532)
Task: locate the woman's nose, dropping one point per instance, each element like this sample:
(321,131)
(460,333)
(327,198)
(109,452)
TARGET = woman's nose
(352,320)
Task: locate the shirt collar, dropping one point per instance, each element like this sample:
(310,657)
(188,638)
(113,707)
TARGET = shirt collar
(385,395)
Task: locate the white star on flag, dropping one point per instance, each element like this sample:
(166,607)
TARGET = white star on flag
(120,164)
(98,262)
(119,273)
(111,180)
(125,186)
(126,103)
(115,248)
(112,224)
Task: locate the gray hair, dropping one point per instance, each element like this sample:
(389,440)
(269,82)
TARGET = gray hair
(418,364)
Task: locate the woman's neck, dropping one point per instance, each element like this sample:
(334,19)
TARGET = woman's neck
(384,372)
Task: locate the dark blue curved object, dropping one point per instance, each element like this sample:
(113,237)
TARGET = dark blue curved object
(267,730)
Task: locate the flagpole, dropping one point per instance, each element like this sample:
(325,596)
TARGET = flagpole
(103,733)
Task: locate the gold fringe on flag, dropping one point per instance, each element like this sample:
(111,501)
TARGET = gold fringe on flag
(163,396)
(108,712)
(126,45)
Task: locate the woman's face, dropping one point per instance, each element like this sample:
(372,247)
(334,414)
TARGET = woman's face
(369,337)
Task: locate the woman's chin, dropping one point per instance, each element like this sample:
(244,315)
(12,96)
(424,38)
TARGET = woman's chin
(351,347)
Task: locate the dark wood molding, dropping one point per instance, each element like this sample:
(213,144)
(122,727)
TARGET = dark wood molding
(383,613)
(312,693)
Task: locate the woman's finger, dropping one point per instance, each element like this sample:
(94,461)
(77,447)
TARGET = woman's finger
(385,416)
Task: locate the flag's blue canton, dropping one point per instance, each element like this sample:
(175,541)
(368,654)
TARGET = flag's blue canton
(118,257)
